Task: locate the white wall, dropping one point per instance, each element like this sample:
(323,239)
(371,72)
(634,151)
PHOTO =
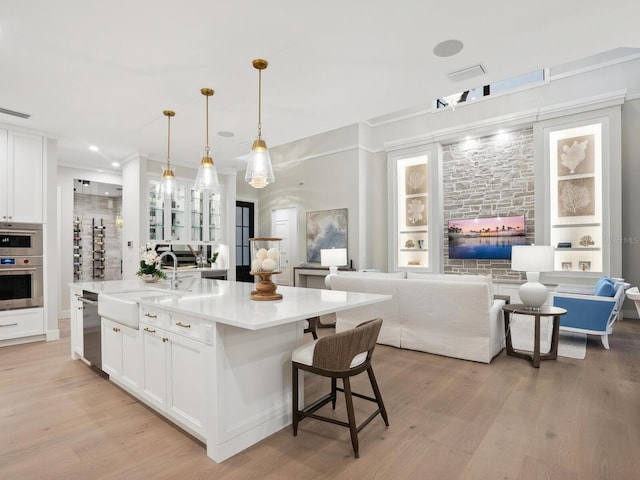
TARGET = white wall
(317,173)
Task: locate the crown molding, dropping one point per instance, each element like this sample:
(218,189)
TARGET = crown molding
(522,118)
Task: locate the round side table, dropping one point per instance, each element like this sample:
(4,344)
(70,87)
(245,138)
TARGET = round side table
(544,311)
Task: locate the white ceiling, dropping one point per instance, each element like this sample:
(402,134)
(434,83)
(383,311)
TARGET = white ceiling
(101,72)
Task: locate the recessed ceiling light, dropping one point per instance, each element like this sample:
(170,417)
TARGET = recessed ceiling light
(115,164)
(93,148)
(224,133)
(106,193)
(448,48)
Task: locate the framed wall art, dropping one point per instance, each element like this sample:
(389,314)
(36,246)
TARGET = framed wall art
(326,229)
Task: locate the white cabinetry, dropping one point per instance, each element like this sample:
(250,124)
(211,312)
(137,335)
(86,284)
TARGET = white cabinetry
(19,324)
(21,182)
(173,358)
(189,216)
(121,354)
(77,334)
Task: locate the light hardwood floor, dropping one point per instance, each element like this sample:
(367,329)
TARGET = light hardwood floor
(449,419)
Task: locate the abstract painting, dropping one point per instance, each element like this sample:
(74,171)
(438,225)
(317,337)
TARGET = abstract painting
(326,229)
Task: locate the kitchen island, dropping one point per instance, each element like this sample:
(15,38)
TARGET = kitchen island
(209,358)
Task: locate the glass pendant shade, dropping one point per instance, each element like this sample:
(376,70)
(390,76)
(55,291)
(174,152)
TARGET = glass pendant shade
(259,172)
(207,178)
(168,181)
(168,184)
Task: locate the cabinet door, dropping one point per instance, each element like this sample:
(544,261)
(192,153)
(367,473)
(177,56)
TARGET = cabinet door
(4,175)
(25,181)
(77,333)
(154,377)
(186,382)
(131,357)
(111,348)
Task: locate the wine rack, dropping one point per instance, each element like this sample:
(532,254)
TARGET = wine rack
(98,231)
(77,248)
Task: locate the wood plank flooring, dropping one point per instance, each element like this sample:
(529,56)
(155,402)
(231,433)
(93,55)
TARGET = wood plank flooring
(449,419)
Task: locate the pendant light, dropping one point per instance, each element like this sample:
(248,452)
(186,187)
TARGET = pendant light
(259,172)
(168,185)
(207,178)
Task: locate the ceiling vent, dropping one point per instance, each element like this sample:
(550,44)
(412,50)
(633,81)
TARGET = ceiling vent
(14,113)
(466,73)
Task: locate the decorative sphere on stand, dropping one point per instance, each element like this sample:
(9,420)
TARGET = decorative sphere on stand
(265,261)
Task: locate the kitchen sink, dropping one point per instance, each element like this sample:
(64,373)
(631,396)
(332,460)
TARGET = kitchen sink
(122,307)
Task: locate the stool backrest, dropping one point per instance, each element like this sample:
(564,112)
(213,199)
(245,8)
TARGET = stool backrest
(335,352)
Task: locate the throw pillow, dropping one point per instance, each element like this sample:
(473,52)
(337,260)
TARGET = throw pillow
(605,290)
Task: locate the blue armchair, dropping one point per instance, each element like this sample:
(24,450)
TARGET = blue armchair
(592,314)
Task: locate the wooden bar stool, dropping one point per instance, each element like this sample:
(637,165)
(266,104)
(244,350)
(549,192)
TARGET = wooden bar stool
(342,355)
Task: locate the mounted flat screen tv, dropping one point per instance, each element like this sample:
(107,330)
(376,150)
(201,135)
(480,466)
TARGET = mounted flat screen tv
(485,238)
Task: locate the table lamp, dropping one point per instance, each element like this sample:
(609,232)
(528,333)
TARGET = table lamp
(532,259)
(332,258)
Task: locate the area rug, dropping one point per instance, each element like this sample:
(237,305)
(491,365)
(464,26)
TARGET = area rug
(570,344)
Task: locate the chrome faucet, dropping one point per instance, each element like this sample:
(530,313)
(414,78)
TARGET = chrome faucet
(174,280)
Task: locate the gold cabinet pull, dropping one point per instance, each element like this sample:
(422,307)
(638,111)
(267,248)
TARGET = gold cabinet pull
(150,315)
(185,325)
(149,330)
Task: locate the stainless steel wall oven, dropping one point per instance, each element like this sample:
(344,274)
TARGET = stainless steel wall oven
(21,279)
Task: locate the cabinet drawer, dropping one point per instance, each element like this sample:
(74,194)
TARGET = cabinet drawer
(191,327)
(153,316)
(21,323)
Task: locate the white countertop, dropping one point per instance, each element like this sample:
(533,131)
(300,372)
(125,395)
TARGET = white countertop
(229,302)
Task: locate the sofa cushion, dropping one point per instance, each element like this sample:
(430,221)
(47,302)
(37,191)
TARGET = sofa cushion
(445,276)
(375,274)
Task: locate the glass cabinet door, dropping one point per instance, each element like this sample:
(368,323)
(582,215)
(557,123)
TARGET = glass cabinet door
(156,212)
(196,215)
(178,215)
(215,223)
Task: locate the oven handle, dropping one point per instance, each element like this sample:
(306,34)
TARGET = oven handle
(33,269)
(18,232)
(86,300)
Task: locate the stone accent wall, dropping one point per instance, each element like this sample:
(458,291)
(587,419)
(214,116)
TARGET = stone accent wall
(87,208)
(487,177)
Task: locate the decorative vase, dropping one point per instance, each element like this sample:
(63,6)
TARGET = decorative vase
(265,261)
(149,278)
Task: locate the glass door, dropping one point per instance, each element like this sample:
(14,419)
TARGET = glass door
(196,215)
(156,212)
(179,215)
(215,222)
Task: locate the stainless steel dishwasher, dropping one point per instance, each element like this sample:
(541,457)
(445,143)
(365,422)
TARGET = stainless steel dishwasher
(92,330)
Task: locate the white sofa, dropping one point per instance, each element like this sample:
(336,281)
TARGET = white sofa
(451,315)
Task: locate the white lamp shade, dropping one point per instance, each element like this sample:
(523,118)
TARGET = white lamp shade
(259,172)
(207,178)
(333,257)
(532,258)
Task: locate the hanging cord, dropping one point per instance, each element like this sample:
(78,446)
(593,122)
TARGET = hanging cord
(259,104)
(206,148)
